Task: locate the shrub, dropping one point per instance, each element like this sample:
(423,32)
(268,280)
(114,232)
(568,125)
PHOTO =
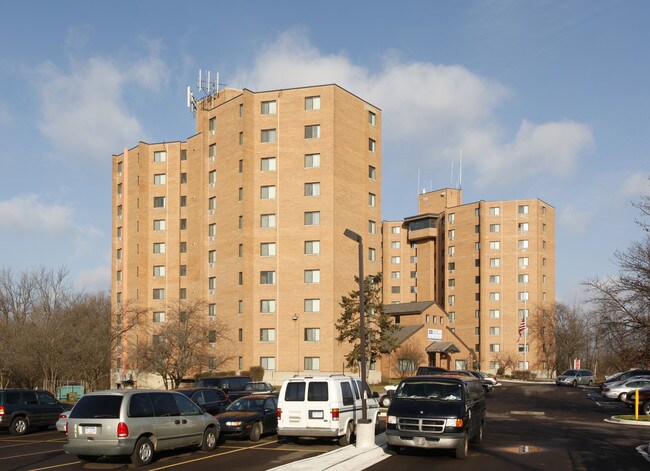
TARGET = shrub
(256,372)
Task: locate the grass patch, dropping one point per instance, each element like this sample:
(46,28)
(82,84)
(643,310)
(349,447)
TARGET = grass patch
(642,418)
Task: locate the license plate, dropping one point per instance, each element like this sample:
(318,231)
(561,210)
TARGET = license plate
(420,441)
(90,430)
(315,414)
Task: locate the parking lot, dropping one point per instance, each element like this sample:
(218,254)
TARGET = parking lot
(531,427)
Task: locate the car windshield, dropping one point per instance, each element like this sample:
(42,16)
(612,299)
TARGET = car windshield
(439,390)
(569,373)
(97,407)
(247,405)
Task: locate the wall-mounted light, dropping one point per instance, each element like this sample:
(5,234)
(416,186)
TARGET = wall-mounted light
(295,317)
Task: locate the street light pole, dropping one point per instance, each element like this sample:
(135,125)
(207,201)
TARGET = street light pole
(362,328)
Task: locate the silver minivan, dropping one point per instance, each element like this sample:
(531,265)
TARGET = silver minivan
(137,423)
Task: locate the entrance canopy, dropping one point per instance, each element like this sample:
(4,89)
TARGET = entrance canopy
(442,347)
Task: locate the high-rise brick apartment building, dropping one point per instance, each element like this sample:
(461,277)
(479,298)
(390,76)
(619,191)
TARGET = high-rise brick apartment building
(472,272)
(248,216)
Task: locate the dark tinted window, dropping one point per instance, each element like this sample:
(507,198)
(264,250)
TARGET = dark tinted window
(186,406)
(295,391)
(197,397)
(569,373)
(346,393)
(356,386)
(271,403)
(45,398)
(164,404)
(95,407)
(212,396)
(318,391)
(140,406)
(29,397)
(209,382)
(12,397)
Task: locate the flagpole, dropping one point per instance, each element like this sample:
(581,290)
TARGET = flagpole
(526,325)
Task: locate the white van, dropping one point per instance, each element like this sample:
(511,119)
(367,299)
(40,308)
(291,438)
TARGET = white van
(323,406)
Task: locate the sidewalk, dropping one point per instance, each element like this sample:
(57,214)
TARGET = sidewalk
(348,458)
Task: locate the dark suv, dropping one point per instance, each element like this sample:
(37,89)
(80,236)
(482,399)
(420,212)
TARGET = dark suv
(21,409)
(233,386)
(438,411)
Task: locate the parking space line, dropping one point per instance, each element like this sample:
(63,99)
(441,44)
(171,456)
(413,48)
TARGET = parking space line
(55,466)
(29,454)
(203,458)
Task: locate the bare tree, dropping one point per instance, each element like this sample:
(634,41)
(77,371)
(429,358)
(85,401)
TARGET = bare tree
(411,354)
(541,331)
(182,344)
(507,359)
(572,333)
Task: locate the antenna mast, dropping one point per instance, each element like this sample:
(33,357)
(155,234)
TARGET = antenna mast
(206,85)
(460,171)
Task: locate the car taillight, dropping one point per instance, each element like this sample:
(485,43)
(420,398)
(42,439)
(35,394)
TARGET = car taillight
(335,414)
(122,430)
(66,428)
(279,413)
(2,410)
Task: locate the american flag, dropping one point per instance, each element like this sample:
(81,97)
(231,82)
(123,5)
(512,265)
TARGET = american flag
(522,327)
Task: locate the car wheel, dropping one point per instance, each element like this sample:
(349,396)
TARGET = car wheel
(478,438)
(462,451)
(621,397)
(591,383)
(18,426)
(384,401)
(645,408)
(209,442)
(87,458)
(574,384)
(143,452)
(394,449)
(256,432)
(346,439)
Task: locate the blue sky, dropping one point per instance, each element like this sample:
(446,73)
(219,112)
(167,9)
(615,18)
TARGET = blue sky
(546,99)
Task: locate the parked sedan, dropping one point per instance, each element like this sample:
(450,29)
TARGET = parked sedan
(259,387)
(250,416)
(644,400)
(575,378)
(211,400)
(63,421)
(620,390)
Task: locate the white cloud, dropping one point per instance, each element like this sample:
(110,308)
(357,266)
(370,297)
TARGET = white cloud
(576,221)
(635,185)
(28,215)
(430,111)
(84,112)
(98,278)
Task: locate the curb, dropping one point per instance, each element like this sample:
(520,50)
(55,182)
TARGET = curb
(638,423)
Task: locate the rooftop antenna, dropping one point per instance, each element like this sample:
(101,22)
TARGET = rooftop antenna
(451,175)
(460,171)
(206,85)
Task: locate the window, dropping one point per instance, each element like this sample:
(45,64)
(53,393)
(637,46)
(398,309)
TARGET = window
(523,261)
(523,278)
(312,218)
(312,189)
(451,251)
(312,334)
(184,177)
(212,152)
(372,118)
(268,363)
(395,244)
(240,194)
(183,224)
(267,249)
(395,260)
(312,247)
(184,154)
(312,131)
(522,209)
(159,247)
(240,280)
(495,211)
(159,179)
(240,309)
(160,156)
(523,313)
(212,203)
(268,135)
(372,145)
(312,305)
(312,276)
(495,245)
(451,266)
(183,247)
(212,177)
(268,164)
(241,138)
(495,296)
(372,227)
(240,250)
(267,192)
(267,220)
(241,222)
(212,126)
(495,228)
(477,212)
(495,279)
(372,255)
(395,230)
(451,282)
(522,227)
(182,270)
(522,244)
(312,160)
(212,230)
(269,107)
(267,277)
(372,200)
(495,262)
(159,316)
(212,310)
(312,103)
(495,314)
(395,289)
(183,201)
(159,270)
(240,165)
(267,306)
(494,347)
(495,330)
(522,295)
(212,282)
(212,336)
(312,363)
(372,172)
(395,275)
(267,335)
(159,293)
(119,232)
(451,234)
(158,201)
(452,316)
(451,300)
(159,225)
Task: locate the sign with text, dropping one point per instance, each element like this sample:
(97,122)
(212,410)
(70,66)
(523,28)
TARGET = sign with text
(434,334)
